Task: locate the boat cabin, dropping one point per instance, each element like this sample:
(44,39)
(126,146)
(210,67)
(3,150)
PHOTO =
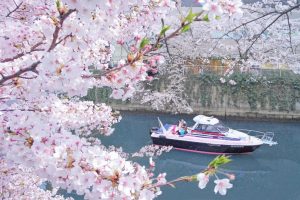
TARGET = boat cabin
(209,125)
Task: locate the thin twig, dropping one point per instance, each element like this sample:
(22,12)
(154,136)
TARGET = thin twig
(167,47)
(33,48)
(16,8)
(31,68)
(258,36)
(154,48)
(245,23)
(285,12)
(58,28)
(290,32)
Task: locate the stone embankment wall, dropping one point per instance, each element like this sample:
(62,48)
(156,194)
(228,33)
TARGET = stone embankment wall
(267,96)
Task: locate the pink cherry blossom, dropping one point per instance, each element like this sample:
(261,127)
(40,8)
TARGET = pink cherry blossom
(161,179)
(117,94)
(151,162)
(214,8)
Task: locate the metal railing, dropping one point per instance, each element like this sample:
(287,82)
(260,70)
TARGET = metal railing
(265,137)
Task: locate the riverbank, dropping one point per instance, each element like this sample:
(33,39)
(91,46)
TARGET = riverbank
(223,113)
(267,96)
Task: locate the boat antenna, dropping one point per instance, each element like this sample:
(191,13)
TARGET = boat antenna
(162,126)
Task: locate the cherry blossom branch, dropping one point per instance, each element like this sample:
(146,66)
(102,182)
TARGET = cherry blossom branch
(203,177)
(153,48)
(257,36)
(31,68)
(245,23)
(30,110)
(260,17)
(64,38)
(270,24)
(15,9)
(171,183)
(25,77)
(167,46)
(290,32)
(33,49)
(54,43)
(58,27)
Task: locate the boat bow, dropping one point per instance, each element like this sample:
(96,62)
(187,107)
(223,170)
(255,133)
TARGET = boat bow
(265,137)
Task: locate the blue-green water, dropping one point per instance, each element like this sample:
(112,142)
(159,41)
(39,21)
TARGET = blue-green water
(268,173)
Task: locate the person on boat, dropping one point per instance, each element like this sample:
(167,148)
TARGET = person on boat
(182,129)
(176,128)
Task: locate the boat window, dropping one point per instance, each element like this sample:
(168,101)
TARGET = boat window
(221,128)
(201,127)
(211,128)
(217,128)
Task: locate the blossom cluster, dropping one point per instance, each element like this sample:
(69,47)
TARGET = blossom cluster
(52,53)
(20,181)
(221,184)
(152,150)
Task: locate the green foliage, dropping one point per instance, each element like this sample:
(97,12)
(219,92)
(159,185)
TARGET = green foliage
(190,17)
(209,78)
(58,4)
(217,17)
(207,81)
(219,161)
(205,18)
(185,28)
(186,22)
(269,90)
(164,30)
(144,42)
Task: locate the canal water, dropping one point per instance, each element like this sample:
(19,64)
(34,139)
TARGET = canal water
(269,173)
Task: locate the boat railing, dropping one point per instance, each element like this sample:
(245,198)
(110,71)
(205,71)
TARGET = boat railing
(265,137)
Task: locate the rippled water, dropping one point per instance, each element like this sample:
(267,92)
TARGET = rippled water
(268,173)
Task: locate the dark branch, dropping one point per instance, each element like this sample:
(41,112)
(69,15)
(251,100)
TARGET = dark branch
(30,110)
(31,68)
(64,38)
(33,48)
(14,10)
(248,22)
(290,32)
(140,54)
(167,46)
(25,77)
(268,26)
(58,27)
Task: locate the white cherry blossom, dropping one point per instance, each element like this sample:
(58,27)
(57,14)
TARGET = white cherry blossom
(203,180)
(232,82)
(222,185)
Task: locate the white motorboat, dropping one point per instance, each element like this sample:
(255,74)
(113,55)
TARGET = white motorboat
(209,135)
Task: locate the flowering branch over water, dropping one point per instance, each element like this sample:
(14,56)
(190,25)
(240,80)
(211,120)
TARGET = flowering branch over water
(203,177)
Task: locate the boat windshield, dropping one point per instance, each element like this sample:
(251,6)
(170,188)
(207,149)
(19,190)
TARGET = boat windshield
(217,128)
(221,127)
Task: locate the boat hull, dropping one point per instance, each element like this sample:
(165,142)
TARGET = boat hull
(204,147)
